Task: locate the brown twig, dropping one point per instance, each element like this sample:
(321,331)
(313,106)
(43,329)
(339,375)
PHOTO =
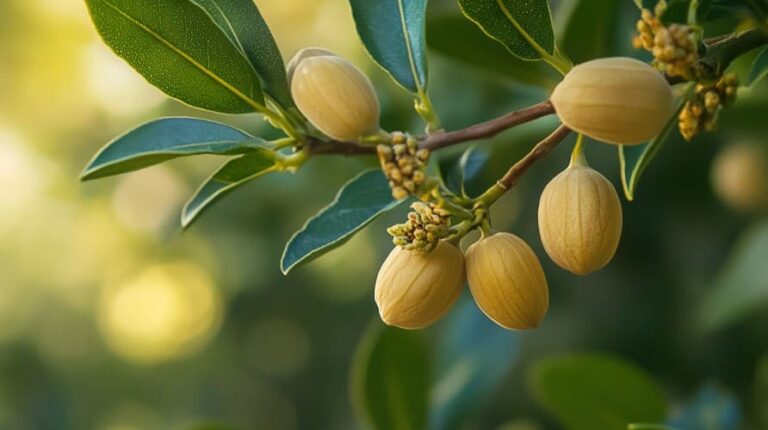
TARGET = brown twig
(541,150)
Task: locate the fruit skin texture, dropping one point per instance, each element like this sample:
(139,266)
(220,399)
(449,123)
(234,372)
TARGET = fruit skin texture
(615,100)
(507,281)
(740,177)
(415,288)
(334,95)
(580,219)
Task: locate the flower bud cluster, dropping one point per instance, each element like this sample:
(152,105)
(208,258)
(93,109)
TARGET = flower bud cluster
(673,47)
(403,164)
(701,112)
(426,225)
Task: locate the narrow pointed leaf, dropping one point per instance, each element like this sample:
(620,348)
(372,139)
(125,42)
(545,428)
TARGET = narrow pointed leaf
(166,139)
(633,160)
(520,25)
(231,175)
(242,23)
(390,379)
(178,48)
(358,203)
(393,33)
(456,171)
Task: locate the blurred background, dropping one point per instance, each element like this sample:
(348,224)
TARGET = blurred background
(112,318)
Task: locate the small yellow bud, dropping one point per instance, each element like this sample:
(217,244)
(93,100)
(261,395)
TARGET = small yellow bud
(416,288)
(740,177)
(580,219)
(334,95)
(615,100)
(507,281)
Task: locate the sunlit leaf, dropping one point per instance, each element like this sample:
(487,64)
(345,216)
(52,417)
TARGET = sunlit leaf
(358,203)
(519,25)
(178,48)
(165,139)
(231,175)
(242,23)
(393,33)
(390,379)
(596,392)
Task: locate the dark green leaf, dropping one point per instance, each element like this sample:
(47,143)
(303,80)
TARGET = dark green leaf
(590,29)
(242,23)
(390,379)
(517,24)
(231,175)
(456,171)
(179,49)
(595,392)
(473,357)
(742,286)
(393,33)
(165,139)
(711,408)
(359,202)
(456,37)
(634,159)
(759,67)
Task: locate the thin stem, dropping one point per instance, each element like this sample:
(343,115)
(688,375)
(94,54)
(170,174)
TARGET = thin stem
(426,110)
(577,155)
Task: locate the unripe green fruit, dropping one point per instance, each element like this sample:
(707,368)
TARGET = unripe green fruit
(334,95)
(740,177)
(580,219)
(507,281)
(416,288)
(615,100)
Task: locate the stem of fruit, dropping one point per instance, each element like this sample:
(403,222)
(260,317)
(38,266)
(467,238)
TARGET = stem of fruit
(577,155)
(426,110)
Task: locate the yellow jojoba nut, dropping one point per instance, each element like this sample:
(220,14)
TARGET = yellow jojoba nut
(416,288)
(334,95)
(580,219)
(615,100)
(740,177)
(507,281)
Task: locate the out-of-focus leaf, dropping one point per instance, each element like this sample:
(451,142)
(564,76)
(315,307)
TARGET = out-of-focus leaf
(742,286)
(456,171)
(473,356)
(590,29)
(456,37)
(178,48)
(390,379)
(759,67)
(242,23)
(596,392)
(165,139)
(211,426)
(358,203)
(760,393)
(518,24)
(633,160)
(393,33)
(711,409)
(231,175)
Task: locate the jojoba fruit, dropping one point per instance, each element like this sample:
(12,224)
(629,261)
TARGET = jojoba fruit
(740,177)
(416,288)
(580,219)
(507,281)
(334,95)
(615,100)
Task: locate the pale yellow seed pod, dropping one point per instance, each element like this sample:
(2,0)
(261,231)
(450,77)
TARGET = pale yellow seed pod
(615,100)
(740,177)
(334,95)
(507,281)
(304,54)
(580,219)
(415,288)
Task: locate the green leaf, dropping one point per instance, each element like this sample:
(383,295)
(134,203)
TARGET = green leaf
(359,202)
(596,392)
(242,23)
(633,160)
(231,175)
(176,46)
(456,171)
(456,37)
(759,67)
(741,288)
(590,29)
(524,27)
(165,139)
(469,368)
(390,379)
(393,33)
